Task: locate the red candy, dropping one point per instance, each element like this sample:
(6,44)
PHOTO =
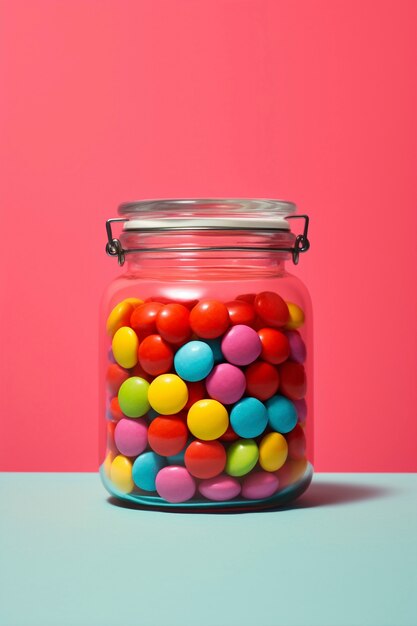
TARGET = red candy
(115,376)
(209,319)
(110,437)
(262,380)
(271,308)
(296,440)
(173,323)
(143,318)
(241,312)
(196,391)
(167,436)
(115,410)
(155,355)
(275,345)
(139,371)
(205,459)
(247,297)
(292,380)
(229,435)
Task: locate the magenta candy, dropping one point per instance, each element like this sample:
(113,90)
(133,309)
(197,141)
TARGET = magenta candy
(131,436)
(175,484)
(219,488)
(241,345)
(226,383)
(301,408)
(259,485)
(298,350)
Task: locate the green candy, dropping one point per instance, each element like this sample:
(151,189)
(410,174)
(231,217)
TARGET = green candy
(133,397)
(242,457)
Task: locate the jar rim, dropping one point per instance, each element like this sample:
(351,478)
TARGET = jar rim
(210,213)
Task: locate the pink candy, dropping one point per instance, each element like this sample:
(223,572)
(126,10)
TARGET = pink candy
(241,345)
(226,383)
(220,488)
(259,485)
(175,484)
(131,436)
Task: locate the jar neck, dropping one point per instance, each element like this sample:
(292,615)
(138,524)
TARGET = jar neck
(208,254)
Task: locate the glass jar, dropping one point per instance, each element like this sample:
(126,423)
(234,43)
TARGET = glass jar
(206,357)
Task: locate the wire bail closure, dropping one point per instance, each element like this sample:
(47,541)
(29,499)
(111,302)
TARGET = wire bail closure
(115,248)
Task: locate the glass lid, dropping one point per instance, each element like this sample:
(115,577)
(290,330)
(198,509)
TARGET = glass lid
(217,213)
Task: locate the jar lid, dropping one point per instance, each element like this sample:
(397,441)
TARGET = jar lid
(213,213)
(221,214)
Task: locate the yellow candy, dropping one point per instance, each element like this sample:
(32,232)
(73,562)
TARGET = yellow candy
(120,316)
(296,318)
(121,474)
(273,452)
(133,301)
(107,463)
(125,347)
(207,419)
(168,394)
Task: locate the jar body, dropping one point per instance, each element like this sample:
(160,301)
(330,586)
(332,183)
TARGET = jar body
(233,432)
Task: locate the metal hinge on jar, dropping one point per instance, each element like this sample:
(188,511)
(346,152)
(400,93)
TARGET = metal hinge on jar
(115,248)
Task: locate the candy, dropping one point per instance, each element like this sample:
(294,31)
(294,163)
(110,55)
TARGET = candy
(291,472)
(196,391)
(194,361)
(107,463)
(273,452)
(125,347)
(119,316)
(275,345)
(139,371)
(242,457)
(229,435)
(110,437)
(207,420)
(220,488)
(173,323)
(168,394)
(241,345)
(282,415)
(215,345)
(155,355)
(145,468)
(301,408)
(121,474)
(115,376)
(167,435)
(259,485)
(295,317)
(241,312)
(143,318)
(209,319)
(130,436)
(226,383)
(205,459)
(247,297)
(133,397)
(249,418)
(175,484)
(115,410)
(296,441)
(133,301)
(178,459)
(292,380)
(262,380)
(271,308)
(297,346)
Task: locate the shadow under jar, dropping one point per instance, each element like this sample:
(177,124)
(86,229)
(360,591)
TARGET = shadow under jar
(206,357)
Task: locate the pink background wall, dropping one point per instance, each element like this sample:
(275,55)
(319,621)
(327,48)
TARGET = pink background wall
(106,101)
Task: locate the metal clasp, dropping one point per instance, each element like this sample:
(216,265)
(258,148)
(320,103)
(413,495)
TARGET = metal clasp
(302,243)
(113,245)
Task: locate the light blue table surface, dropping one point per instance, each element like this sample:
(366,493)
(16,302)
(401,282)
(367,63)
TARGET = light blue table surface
(346,554)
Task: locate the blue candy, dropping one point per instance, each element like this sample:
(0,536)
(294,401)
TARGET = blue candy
(249,418)
(145,469)
(194,361)
(215,345)
(282,414)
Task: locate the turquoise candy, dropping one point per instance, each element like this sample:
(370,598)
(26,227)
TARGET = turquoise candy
(282,414)
(145,469)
